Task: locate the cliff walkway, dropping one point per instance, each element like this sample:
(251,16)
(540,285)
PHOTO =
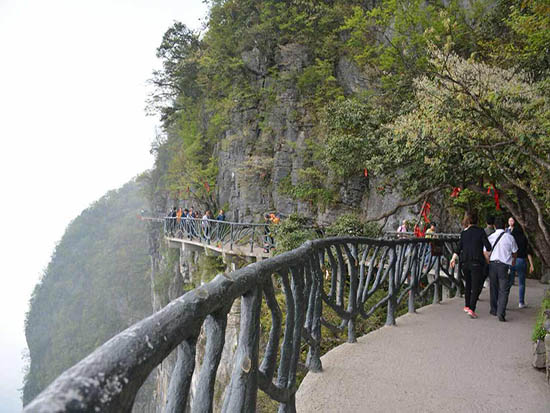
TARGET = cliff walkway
(219,237)
(290,305)
(437,360)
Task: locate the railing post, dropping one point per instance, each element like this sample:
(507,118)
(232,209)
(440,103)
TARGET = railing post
(252,239)
(413,276)
(214,327)
(178,390)
(231,237)
(437,281)
(243,388)
(313,361)
(392,301)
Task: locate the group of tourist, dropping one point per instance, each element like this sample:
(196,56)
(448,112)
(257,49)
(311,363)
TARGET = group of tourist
(180,218)
(497,252)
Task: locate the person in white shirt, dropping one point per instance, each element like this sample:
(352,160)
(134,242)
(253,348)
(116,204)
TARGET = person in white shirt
(503,256)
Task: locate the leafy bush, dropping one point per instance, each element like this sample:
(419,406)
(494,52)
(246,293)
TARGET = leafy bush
(539,331)
(352,226)
(292,232)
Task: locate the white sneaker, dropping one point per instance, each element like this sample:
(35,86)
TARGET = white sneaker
(524,305)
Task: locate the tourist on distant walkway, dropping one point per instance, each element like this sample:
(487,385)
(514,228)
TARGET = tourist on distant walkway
(173,220)
(268,239)
(502,257)
(470,249)
(524,254)
(221,216)
(430,233)
(206,224)
(192,224)
(402,228)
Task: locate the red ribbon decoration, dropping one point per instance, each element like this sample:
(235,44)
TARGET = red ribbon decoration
(207,186)
(456,192)
(366,172)
(418,233)
(426,211)
(495,195)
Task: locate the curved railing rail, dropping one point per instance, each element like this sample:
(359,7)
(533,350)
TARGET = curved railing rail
(337,275)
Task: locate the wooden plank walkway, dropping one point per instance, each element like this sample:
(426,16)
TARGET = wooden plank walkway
(438,360)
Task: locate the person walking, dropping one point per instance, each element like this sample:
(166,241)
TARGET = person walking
(470,249)
(489,229)
(221,216)
(524,254)
(502,257)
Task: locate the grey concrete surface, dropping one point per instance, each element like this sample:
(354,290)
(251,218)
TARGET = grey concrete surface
(438,360)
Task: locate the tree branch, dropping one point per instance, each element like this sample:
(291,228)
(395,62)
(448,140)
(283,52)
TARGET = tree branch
(409,202)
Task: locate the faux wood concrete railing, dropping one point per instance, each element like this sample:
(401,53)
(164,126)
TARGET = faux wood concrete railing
(342,274)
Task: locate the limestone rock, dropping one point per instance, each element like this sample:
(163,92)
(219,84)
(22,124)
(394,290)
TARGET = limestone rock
(539,355)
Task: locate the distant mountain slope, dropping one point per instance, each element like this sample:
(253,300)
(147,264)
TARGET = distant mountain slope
(96,284)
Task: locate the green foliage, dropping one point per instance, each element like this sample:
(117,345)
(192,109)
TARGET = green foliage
(292,232)
(209,266)
(538,330)
(353,125)
(96,284)
(351,225)
(164,278)
(310,188)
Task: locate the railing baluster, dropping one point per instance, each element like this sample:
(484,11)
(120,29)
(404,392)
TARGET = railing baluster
(313,361)
(297,286)
(413,277)
(286,350)
(270,356)
(392,293)
(352,297)
(180,381)
(215,325)
(333,273)
(341,276)
(243,388)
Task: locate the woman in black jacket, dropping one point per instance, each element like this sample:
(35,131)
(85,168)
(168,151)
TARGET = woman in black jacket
(472,260)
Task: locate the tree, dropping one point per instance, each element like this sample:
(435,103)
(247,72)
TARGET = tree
(473,123)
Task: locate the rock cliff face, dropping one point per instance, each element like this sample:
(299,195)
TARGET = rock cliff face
(264,146)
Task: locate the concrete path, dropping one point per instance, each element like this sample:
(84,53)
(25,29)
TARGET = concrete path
(438,360)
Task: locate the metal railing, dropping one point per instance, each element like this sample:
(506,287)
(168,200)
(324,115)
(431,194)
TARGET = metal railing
(336,275)
(220,233)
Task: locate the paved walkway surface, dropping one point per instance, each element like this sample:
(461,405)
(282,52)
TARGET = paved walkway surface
(438,360)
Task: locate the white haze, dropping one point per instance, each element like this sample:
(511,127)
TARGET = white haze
(72,126)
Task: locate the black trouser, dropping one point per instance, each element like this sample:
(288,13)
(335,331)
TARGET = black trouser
(473,278)
(500,287)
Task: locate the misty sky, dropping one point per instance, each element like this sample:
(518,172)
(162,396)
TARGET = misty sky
(72,126)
